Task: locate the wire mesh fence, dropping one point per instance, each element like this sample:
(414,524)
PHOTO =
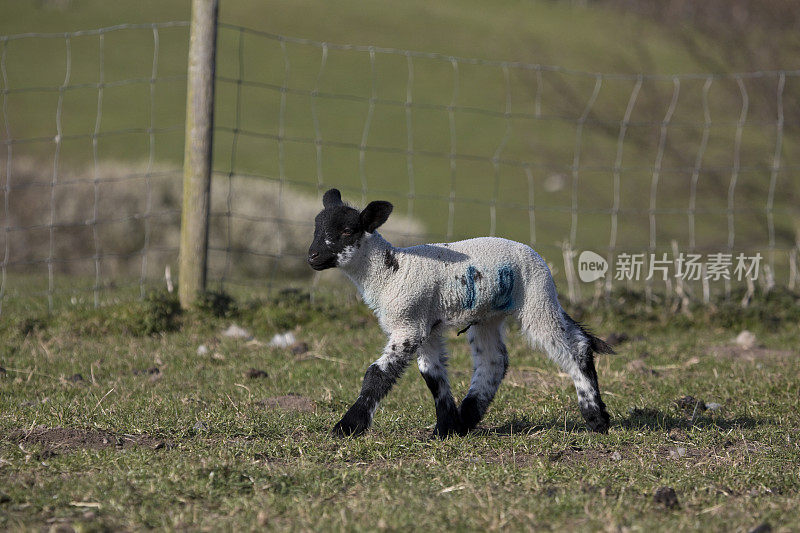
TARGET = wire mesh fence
(561,159)
(75,219)
(566,161)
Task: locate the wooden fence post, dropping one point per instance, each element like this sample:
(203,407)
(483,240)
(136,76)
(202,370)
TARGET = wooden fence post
(197,151)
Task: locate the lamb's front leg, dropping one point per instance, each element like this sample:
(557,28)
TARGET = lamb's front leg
(432,361)
(379,379)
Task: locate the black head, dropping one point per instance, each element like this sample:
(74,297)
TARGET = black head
(339,230)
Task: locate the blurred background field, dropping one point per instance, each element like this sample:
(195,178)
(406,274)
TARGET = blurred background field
(529,143)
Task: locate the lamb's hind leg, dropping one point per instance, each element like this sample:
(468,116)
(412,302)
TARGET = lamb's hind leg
(432,361)
(583,346)
(490,359)
(571,348)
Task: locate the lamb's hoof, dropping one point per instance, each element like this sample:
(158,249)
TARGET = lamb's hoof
(444,432)
(350,426)
(597,420)
(469,415)
(448,422)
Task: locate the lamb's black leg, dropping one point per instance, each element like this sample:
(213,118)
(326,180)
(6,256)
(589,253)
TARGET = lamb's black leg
(490,359)
(447,419)
(578,362)
(378,380)
(591,404)
(432,361)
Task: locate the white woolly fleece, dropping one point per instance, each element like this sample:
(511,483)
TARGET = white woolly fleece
(455,284)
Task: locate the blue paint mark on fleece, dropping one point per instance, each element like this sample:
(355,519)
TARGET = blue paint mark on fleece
(469,300)
(503,299)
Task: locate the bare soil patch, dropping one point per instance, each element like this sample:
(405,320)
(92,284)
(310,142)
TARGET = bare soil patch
(290,402)
(68,439)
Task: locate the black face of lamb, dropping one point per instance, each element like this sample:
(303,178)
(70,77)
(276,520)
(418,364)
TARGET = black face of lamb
(339,227)
(336,228)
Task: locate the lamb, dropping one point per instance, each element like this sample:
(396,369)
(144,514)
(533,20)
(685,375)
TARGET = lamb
(417,293)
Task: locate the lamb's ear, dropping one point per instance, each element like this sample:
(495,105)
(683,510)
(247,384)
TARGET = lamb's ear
(332,197)
(375,214)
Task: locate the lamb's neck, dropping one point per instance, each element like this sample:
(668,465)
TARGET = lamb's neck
(367,268)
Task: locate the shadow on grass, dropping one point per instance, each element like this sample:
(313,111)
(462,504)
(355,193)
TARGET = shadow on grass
(642,419)
(655,419)
(522,425)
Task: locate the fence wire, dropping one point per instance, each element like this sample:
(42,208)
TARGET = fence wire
(640,184)
(47,207)
(561,159)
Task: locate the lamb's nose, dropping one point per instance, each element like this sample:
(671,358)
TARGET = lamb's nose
(313,255)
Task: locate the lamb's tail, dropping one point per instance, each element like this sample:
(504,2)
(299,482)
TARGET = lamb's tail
(597,344)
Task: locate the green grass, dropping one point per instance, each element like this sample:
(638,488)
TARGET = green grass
(202,445)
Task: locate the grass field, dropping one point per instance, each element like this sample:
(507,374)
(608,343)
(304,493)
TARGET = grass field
(137,416)
(113,420)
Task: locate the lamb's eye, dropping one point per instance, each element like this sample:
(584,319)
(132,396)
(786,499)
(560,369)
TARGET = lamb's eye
(347,233)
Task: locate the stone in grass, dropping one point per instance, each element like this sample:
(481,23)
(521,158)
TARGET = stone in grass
(666,496)
(200,426)
(713,406)
(255,373)
(283,340)
(763,527)
(236,332)
(746,340)
(75,378)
